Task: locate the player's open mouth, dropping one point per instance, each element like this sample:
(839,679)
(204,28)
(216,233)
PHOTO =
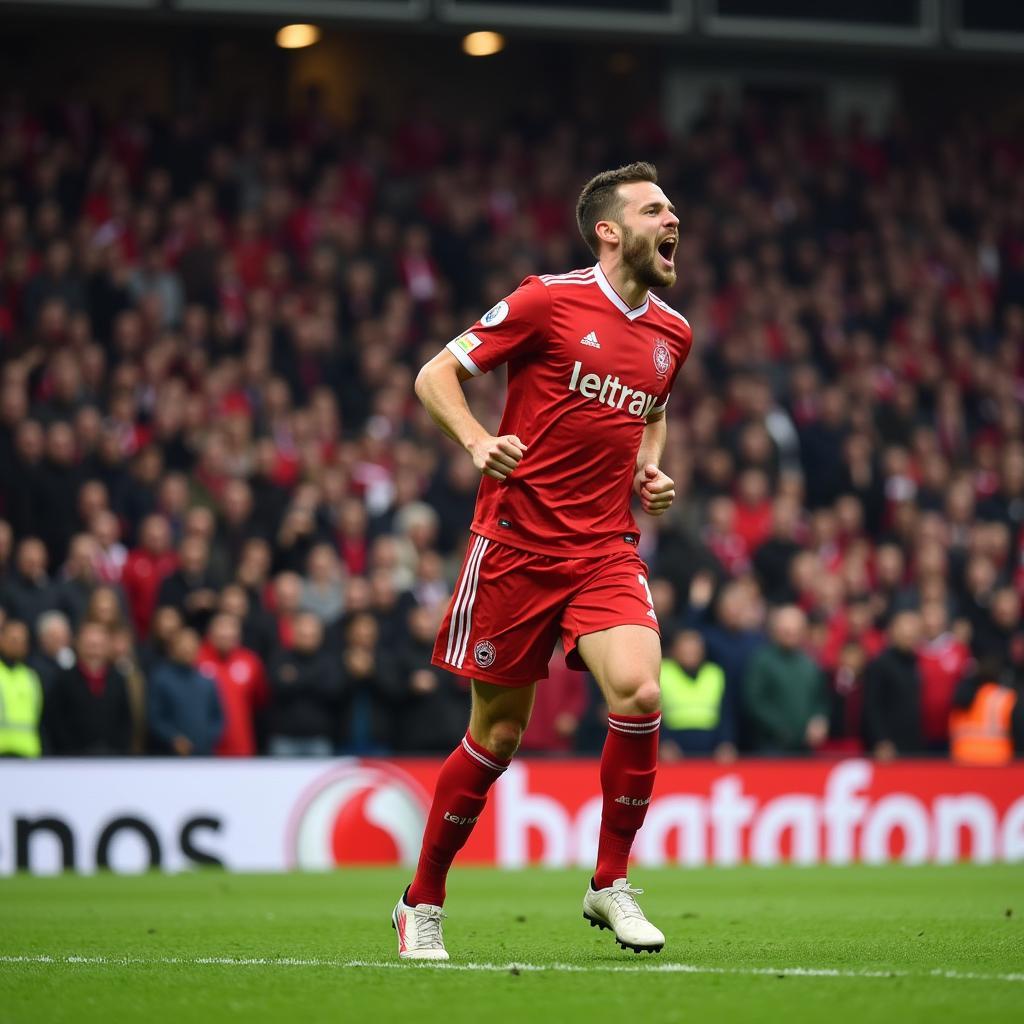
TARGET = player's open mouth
(667,251)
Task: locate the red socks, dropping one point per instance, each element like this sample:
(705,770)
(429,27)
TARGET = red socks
(459,797)
(629,763)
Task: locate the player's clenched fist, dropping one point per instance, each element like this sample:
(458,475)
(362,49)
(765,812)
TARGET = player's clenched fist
(497,456)
(655,490)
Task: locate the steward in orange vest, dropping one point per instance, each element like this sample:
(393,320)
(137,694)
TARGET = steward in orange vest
(986,723)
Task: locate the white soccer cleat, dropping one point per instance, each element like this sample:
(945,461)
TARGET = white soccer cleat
(419,931)
(616,908)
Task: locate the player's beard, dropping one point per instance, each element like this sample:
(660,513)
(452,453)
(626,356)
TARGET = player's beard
(640,257)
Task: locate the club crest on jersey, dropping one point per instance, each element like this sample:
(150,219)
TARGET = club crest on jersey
(484,653)
(494,315)
(662,356)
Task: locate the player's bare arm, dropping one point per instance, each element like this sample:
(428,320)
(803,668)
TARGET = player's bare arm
(655,489)
(439,388)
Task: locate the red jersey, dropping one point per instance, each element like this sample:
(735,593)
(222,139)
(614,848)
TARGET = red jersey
(584,373)
(943,662)
(141,578)
(242,687)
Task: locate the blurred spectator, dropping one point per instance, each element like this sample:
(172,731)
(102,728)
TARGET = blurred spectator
(1006,505)
(28,591)
(258,626)
(21,694)
(370,688)
(783,691)
(241,684)
(111,554)
(167,622)
(323,591)
(6,550)
(892,692)
(54,653)
(105,608)
(731,636)
(434,708)
(59,480)
(126,660)
(305,689)
(234,527)
(773,557)
(190,587)
(943,661)
(185,715)
(79,577)
(998,633)
(88,710)
(145,569)
(286,599)
(986,724)
(558,709)
(698,712)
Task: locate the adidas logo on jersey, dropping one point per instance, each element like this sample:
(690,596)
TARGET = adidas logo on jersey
(611,392)
(590,340)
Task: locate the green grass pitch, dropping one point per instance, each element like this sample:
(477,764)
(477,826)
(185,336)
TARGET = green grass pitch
(787,944)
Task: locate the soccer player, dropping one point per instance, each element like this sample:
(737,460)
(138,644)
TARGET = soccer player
(592,355)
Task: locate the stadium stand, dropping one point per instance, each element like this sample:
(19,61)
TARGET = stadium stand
(209,334)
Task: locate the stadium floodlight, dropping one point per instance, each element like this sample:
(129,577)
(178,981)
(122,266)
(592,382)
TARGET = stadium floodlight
(483,44)
(296,37)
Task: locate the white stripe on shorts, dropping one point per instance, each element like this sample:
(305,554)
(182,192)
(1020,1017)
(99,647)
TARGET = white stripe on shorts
(467,611)
(456,604)
(459,607)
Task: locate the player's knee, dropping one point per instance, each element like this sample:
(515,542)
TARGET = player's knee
(503,738)
(647,697)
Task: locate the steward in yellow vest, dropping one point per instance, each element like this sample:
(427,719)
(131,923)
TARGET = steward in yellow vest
(697,713)
(21,695)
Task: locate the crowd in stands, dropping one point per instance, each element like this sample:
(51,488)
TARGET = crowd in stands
(228,527)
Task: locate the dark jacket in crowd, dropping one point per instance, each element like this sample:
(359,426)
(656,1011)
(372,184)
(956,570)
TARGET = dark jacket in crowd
(55,523)
(432,722)
(304,693)
(50,669)
(772,561)
(176,589)
(88,715)
(368,718)
(782,691)
(892,701)
(73,596)
(183,702)
(730,648)
(27,599)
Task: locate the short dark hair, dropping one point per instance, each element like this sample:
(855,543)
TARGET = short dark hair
(600,199)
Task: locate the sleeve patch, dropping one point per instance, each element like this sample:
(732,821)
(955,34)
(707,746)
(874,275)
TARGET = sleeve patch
(495,315)
(467,342)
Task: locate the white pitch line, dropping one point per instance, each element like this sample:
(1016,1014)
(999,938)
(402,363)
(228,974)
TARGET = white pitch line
(648,968)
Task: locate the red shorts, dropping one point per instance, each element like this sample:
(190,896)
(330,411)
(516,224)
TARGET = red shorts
(510,606)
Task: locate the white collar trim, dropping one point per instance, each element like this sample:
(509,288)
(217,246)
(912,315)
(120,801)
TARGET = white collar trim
(615,299)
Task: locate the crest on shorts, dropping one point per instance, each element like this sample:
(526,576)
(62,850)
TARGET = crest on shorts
(484,653)
(662,356)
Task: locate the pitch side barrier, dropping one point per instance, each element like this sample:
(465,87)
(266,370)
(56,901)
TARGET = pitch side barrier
(278,815)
